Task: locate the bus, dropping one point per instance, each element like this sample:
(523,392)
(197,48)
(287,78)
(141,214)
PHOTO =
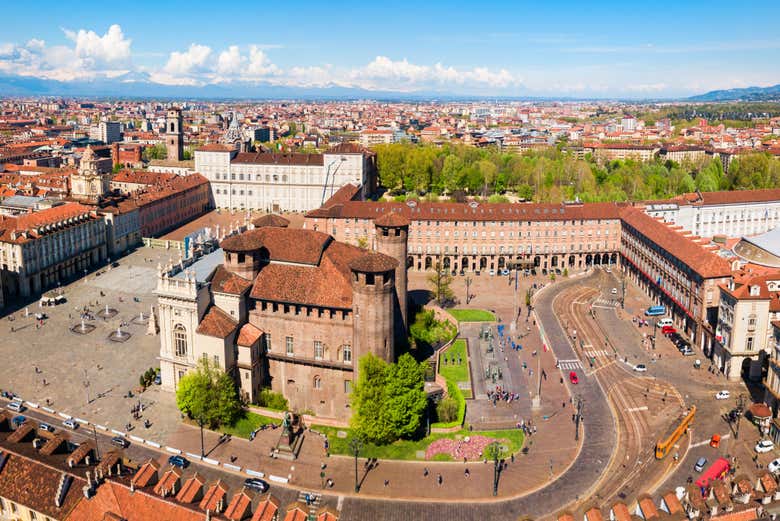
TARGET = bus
(655,311)
(718,470)
(663,446)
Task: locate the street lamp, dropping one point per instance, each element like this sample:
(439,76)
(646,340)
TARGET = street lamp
(578,417)
(355,445)
(494,451)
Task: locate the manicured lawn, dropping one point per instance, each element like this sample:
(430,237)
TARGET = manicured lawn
(472,315)
(455,372)
(407,449)
(244,426)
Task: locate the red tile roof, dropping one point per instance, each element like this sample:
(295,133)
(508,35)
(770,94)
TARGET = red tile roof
(192,489)
(296,512)
(240,506)
(392,220)
(262,158)
(271,220)
(283,244)
(373,262)
(214,499)
(698,258)
(146,475)
(215,147)
(248,335)
(168,482)
(217,323)
(266,508)
(225,281)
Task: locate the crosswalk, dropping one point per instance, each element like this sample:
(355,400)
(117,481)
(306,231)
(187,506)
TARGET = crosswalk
(569,364)
(596,353)
(606,303)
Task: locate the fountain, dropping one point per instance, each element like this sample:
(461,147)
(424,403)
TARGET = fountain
(141,319)
(82,328)
(119,335)
(108,312)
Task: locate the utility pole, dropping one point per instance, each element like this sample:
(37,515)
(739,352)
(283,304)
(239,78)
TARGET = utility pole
(97,446)
(578,417)
(740,410)
(86,386)
(623,295)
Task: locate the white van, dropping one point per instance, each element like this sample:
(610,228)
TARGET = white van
(666,321)
(15,406)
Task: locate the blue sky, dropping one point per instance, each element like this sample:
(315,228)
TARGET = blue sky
(602,49)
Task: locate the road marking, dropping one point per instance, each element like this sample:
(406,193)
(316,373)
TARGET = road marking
(595,354)
(637,409)
(569,364)
(707,441)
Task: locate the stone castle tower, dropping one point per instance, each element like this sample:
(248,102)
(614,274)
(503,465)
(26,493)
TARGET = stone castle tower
(392,232)
(174,135)
(373,294)
(89,184)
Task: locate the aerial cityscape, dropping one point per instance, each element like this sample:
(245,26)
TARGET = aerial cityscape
(347,262)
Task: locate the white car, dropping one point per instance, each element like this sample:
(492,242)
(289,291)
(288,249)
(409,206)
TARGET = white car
(640,368)
(722,395)
(764,446)
(71,424)
(614,291)
(774,466)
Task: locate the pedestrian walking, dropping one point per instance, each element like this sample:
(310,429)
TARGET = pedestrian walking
(467,473)
(387,482)
(425,472)
(439,480)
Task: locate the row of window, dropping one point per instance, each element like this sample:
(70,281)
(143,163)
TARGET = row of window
(10,508)
(344,354)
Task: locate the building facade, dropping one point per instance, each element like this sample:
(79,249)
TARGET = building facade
(283,182)
(482,237)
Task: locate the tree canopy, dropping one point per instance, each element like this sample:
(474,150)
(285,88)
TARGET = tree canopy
(388,400)
(553,175)
(208,395)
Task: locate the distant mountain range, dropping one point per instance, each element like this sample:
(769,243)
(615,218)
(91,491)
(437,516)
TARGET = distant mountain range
(747,94)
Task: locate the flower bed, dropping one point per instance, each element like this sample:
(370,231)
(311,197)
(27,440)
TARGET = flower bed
(470,447)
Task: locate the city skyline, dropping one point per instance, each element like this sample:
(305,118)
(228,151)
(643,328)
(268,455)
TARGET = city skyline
(663,51)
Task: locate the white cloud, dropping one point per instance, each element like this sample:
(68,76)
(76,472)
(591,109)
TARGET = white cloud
(259,65)
(230,61)
(192,60)
(111,48)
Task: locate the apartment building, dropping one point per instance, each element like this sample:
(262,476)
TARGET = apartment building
(372,137)
(676,270)
(743,337)
(483,236)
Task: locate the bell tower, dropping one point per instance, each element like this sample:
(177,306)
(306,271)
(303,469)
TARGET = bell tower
(174,137)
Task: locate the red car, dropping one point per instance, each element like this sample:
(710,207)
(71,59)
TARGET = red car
(668,330)
(573,378)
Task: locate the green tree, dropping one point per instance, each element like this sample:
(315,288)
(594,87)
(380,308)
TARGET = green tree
(389,399)
(441,284)
(157,151)
(208,395)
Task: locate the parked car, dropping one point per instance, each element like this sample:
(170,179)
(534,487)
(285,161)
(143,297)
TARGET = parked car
(668,330)
(573,378)
(120,441)
(46,427)
(666,321)
(640,368)
(764,446)
(71,424)
(505,272)
(774,466)
(722,395)
(18,420)
(700,464)
(16,406)
(687,351)
(157,379)
(492,272)
(256,484)
(179,461)
(614,291)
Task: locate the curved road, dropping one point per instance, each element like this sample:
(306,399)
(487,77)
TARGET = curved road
(598,444)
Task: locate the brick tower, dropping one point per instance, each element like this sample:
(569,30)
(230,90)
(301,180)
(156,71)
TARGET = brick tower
(392,232)
(174,135)
(373,279)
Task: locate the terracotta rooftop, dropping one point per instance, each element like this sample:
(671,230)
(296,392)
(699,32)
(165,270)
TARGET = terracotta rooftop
(146,475)
(266,508)
(391,220)
(215,147)
(283,244)
(271,219)
(327,513)
(214,498)
(28,482)
(672,503)
(698,258)
(192,489)
(749,514)
(225,281)
(297,512)
(620,511)
(372,262)
(168,482)
(248,335)
(240,506)
(731,197)
(141,177)
(217,323)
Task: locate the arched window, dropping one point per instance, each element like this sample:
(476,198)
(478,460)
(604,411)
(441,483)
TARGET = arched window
(180,340)
(347,353)
(317,382)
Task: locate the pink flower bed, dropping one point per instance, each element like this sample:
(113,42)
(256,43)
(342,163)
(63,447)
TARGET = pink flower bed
(459,449)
